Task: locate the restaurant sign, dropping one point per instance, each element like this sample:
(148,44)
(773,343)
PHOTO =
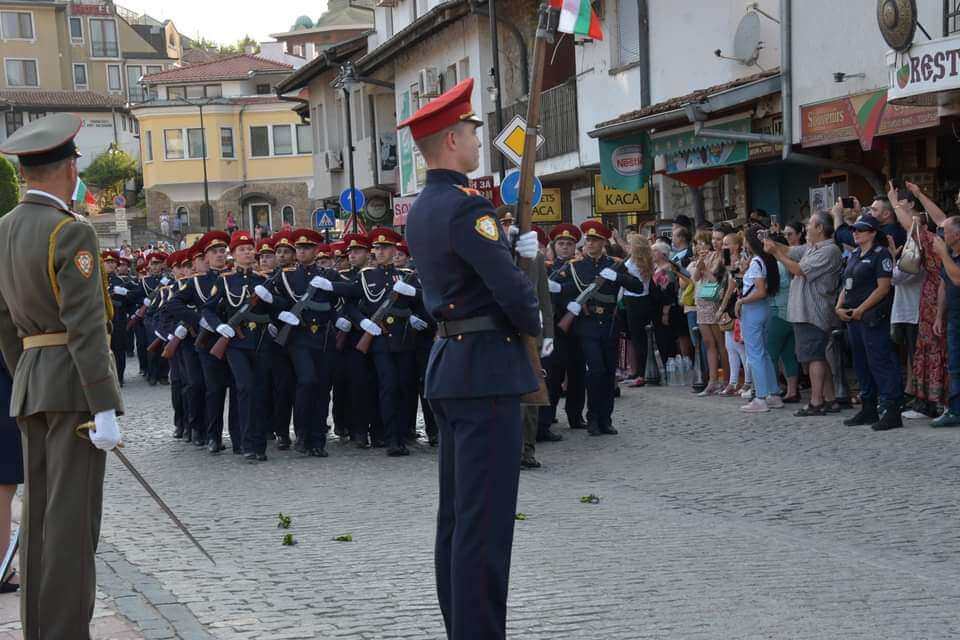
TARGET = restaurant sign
(860,117)
(928,68)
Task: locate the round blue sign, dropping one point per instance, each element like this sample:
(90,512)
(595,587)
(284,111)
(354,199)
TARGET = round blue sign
(345,200)
(510,189)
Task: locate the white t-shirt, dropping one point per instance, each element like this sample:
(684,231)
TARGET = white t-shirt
(755,271)
(634,270)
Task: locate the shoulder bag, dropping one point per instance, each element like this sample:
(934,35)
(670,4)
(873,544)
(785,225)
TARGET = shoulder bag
(911,256)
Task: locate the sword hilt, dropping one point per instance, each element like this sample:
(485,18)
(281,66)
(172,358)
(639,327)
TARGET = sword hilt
(83,431)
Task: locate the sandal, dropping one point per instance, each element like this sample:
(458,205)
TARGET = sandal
(832,407)
(791,399)
(728,392)
(9,587)
(810,411)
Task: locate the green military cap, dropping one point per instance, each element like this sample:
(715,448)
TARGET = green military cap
(44,141)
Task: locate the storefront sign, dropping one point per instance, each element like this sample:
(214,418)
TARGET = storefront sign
(484,185)
(771,126)
(89,10)
(401,207)
(406,148)
(860,117)
(625,162)
(607,200)
(928,68)
(684,151)
(550,209)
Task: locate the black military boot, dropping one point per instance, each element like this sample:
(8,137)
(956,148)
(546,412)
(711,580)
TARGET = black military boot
(607,429)
(187,435)
(890,419)
(866,415)
(178,432)
(213,446)
(199,438)
(593,427)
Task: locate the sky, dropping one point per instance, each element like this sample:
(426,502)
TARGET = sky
(223,21)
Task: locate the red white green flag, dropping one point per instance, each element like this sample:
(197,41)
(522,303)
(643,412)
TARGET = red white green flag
(81,194)
(577,17)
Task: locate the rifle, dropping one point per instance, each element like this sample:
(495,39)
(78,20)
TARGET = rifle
(363,345)
(137,317)
(156,345)
(297,309)
(237,320)
(173,344)
(566,322)
(546,30)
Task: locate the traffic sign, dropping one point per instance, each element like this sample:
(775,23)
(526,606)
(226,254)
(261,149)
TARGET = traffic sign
(119,202)
(325,218)
(345,199)
(511,140)
(510,189)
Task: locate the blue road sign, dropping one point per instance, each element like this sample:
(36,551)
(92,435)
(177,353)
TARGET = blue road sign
(325,218)
(345,199)
(510,189)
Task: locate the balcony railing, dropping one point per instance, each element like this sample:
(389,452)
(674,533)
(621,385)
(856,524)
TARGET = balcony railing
(558,122)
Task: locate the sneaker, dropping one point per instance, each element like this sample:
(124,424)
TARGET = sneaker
(948,419)
(913,414)
(775,402)
(747,393)
(757,405)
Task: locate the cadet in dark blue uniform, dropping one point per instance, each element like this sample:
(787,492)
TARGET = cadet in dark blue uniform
(192,262)
(123,306)
(566,361)
(281,368)
(157,367)
(864,304)
(478,367)
(164,326)
(596,325)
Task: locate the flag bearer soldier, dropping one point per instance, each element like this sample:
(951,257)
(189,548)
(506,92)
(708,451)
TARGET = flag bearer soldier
(247,362)
(123,306)
(394,344)
(595,328)
(281,367)
(55,313)
(478,367)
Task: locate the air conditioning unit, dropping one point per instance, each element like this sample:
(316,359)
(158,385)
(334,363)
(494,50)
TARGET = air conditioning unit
(333,161)
(387,3)
(429,82)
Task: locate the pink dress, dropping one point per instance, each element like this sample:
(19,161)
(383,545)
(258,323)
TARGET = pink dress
(930,357)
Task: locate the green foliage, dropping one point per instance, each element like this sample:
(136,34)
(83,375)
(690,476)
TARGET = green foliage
(110,170)
(240,45)
(284,522)
(347,537)
(9,186)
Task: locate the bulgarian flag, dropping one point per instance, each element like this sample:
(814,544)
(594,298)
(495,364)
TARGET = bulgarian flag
(81,194)
(577,17)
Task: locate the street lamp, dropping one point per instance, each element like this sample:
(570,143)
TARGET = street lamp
(206,215)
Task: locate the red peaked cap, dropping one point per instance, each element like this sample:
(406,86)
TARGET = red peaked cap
(404,249)
(383,235)
(125,260)
(283,239)
(323,250)
(160,256)
(265,246)
(452,107)
(356,240)
(213,239)
(109,254)
(195,251)
(173,259)
(566,230)
(306,236)
(595,229)
(240,238)
(337,248)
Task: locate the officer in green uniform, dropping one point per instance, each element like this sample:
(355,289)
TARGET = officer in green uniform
(54,319)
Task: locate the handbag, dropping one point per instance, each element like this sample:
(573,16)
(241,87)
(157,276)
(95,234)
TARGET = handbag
(709,291)
(725,319)
(911,257)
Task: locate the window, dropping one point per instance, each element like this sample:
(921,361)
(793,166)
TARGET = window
(175,93)
(14,121)
(103,38)
(17,25)
(194,91)
(76,29)
(134,91)
(123,122)
(263,89)
(80,76)
(287,215)
(183,215)
(304,142)
(259,142)
(21,73)
(317,123)
(114,80)
(226,143)
(628,32)
(154,68)
(951,17)
(195,146)
(282,140)
(464,68)
(212,90)
(148,146)
(173,144)
(35,115)
(449,78)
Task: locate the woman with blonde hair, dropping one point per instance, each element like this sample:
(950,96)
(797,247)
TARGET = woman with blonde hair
(708,273)
(640,308)
(736,350)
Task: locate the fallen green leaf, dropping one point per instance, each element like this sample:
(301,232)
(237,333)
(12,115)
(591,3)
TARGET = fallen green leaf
(520,516)
(288,540)
(590,499)
(344,538)
(284,522)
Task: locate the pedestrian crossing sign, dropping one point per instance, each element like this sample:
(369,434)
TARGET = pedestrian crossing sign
(325,218)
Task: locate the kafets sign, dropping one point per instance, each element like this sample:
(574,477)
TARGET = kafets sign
(927,69)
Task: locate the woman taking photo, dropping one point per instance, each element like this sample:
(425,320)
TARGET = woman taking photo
(736,352)
(794,233)
(667,283)
(864,304)
(760,282)
(708,274)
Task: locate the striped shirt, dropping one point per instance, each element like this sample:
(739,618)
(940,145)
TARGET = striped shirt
(813,296)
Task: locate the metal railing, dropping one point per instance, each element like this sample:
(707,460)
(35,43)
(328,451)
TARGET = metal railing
(558,122)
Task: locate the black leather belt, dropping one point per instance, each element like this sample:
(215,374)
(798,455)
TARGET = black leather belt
(450,328)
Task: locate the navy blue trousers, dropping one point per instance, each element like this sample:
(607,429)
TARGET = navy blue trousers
(875,361)
(283,383)
(217,381)
(565,363)
(396,380)
(249,376)
(480,441)
(193,390)
(314,372)
(600,356)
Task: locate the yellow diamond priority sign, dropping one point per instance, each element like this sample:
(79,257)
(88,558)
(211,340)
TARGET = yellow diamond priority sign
(510,141)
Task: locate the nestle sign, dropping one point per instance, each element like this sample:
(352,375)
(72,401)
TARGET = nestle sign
(628,160)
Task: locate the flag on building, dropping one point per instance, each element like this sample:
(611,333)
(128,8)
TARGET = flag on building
(81,194)
(577,17)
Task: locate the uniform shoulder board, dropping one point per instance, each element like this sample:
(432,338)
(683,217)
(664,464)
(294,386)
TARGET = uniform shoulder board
(469,191)
(344,270)
(228,273)
(183,285)
(404,270)
(289,269)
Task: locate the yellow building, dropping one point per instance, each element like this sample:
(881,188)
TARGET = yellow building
(258,163)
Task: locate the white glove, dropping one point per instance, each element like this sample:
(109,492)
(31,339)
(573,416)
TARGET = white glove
(404,289)
(205,325)
(169,337)
(547,347)
(263,294)
(554,286)
(165,280)
(574,307)
(146,302)
(180,331)
(609,274)
(319,282)
(120,291)
(370,327)
(527,245)
(160,335)
(288,318)
(226,331)
(343,324)
(107,433)
(418,323)
(272,330)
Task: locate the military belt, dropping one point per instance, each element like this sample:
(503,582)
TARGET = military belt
(450,328)
(401,313)
(604,298)
(45,340)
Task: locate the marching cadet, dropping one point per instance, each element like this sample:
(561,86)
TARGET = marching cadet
(266,256)
(424,342)
(132,282)
(324,256)
(147,285)
(306,298)
(339,252)
(192,263)
(55,314)
(245,333)
(394,344)
(478,367)
(163,328)
(281,368)
(595,327)
(566,361)
(186,308)
(123,306)
(158,369)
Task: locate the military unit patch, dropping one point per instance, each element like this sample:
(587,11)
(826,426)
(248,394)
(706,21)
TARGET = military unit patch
(488,228)
(84,263)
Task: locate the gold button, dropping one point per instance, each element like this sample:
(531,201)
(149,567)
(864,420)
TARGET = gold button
(600,311)
(389,319)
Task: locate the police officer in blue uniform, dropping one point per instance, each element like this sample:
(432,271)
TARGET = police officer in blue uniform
(864,304)
(596,327)
(478,367)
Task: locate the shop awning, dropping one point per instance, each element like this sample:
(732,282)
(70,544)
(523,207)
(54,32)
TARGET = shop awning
(683,151)
(699,177)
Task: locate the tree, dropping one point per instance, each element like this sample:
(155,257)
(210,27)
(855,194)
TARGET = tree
(240,46)
(109,171)
(9,186)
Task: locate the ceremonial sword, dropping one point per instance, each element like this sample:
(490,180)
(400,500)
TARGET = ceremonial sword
(83,432)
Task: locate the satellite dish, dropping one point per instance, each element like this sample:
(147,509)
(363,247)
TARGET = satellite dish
(747,42)
(898,22)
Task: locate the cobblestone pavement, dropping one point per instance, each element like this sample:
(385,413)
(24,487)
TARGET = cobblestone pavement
(712,524)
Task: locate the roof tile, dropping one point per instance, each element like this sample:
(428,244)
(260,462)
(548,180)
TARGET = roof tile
(231,68)
(64,99)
